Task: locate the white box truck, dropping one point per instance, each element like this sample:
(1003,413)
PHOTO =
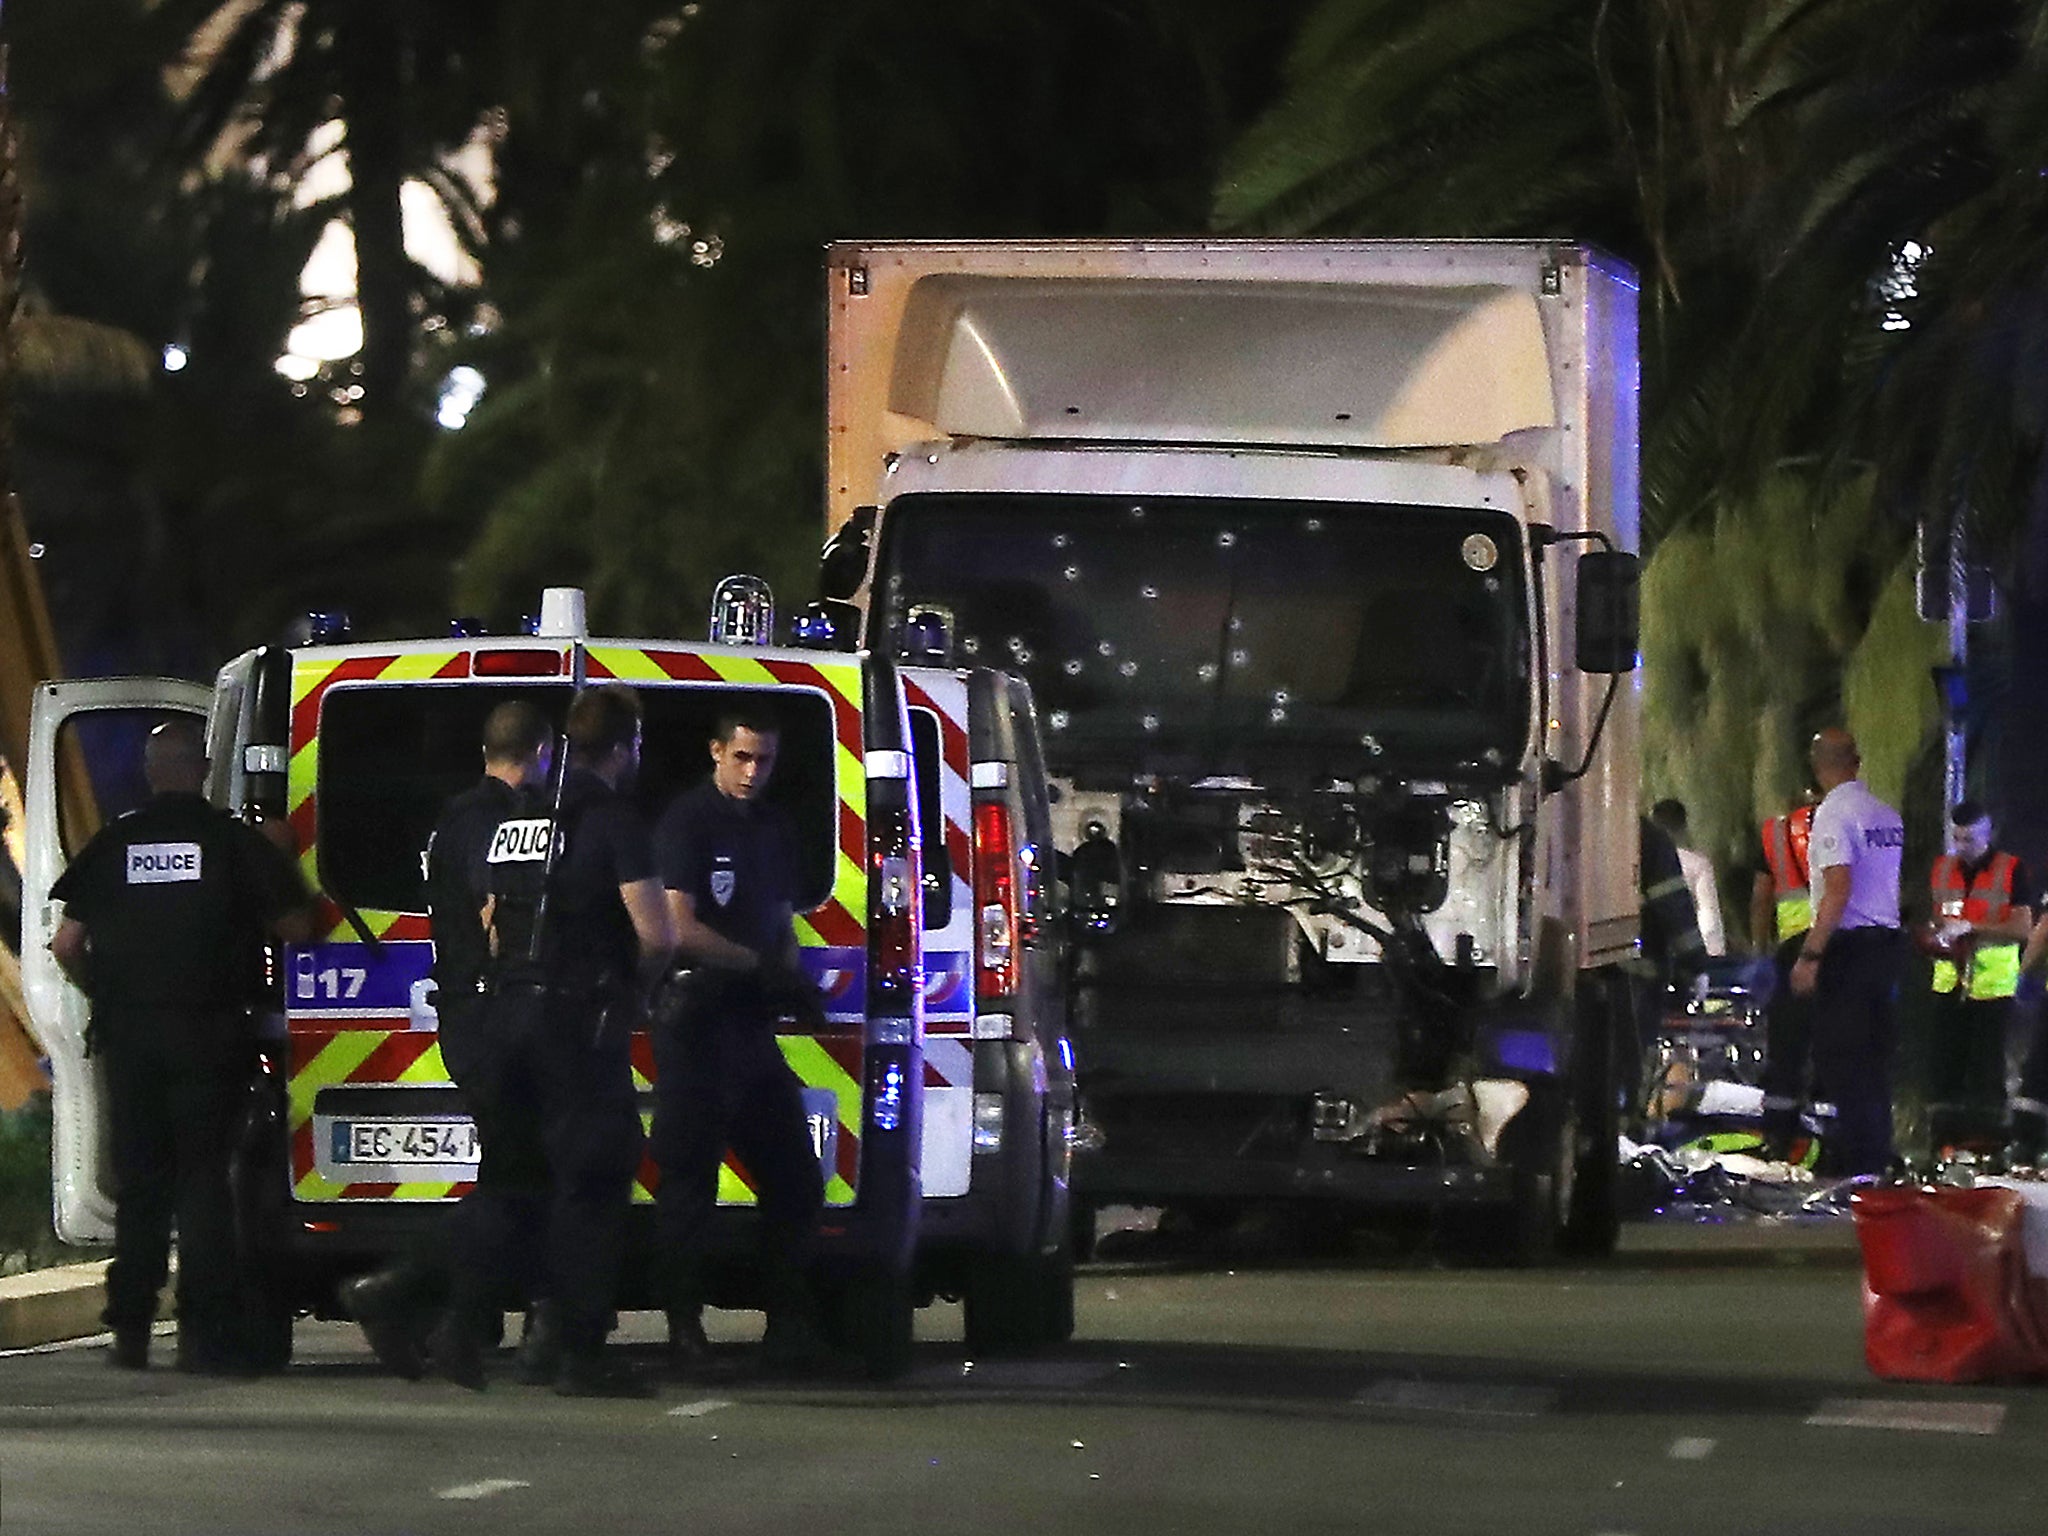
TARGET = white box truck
(1318,556)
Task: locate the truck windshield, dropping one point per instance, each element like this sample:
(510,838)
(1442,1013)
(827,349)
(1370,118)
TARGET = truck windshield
(1199,635)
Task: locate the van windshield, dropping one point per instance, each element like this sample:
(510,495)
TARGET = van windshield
(392,757)
(1211,636)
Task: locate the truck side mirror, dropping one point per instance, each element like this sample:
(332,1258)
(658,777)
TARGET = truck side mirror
(843,563)
(1610,583)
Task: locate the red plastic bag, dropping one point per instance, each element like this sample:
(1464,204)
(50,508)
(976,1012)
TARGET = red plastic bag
(1946,1292)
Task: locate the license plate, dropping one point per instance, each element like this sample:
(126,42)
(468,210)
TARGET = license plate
(403,1143)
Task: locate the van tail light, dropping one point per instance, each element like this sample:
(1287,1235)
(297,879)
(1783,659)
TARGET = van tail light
(995,901)
(893,906)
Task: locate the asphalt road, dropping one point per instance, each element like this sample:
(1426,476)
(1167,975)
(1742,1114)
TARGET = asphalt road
(1710,1380)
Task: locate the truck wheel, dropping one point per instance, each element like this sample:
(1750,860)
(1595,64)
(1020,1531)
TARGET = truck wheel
(1538,1150)
(872,1314)
(1593,1219)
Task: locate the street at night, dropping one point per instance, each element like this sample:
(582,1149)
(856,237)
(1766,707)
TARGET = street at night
(1710,1378)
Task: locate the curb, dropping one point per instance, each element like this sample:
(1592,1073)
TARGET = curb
(44,1306)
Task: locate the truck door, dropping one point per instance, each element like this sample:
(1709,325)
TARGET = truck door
(84,768)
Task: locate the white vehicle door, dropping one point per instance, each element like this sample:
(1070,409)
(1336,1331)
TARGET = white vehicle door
(84,768)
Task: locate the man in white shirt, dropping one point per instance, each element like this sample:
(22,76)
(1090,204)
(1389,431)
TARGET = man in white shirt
(1851,958)
(1699,875)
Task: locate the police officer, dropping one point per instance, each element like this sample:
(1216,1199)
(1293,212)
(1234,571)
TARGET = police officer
(576,922)
(728,860)
(394,1304)
(1850,960)
(162,909)
(1983,911)
(1780,913)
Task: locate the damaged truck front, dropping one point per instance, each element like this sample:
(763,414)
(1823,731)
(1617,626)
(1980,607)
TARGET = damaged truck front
(1318,558)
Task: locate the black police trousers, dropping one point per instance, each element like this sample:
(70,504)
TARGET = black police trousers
(1788,1049)
(1855,1027)
(177,1088)
(1966,1070)
(721,1082)
(555,1090)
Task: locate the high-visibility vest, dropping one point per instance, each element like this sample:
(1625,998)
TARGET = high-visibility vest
(1993,969)
(1785,839)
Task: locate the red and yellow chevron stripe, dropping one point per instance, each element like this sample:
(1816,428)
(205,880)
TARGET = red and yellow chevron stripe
(375,1057)
(377,1051)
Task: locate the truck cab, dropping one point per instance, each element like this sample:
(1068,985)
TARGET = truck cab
(1318,558)
(358,1138)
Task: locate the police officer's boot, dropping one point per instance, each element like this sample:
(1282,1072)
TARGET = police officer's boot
(594,1373)
(131,1347)
(386,1306)
(456,1347)
(795,1343)
(689,1351)
(540,1345)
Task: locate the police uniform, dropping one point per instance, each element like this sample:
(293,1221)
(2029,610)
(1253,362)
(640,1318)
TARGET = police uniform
(174,898)
(559,1065)
(512,1172)
(720,1078)
(1788,1018)
(1974,991)
(1854,1024)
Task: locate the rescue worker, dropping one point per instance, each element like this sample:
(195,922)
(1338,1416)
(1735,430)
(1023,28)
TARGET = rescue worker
(1699,875)
(728,860)
(576,924)
(393,1305)
(1849,962)
(162,909)
(1983,912)
(1780,913)
(1669,953)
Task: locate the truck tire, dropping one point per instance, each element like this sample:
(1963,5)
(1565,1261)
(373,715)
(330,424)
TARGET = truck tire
(872,1314)
(1538,1149)
(1593,1219)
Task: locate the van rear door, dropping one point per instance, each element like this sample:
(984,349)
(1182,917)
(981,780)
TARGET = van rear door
(84,768)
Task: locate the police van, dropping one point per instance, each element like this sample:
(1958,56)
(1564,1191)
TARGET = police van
(938,1081)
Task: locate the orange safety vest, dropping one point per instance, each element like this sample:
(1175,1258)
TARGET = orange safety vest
(1992,968)
(1785,839)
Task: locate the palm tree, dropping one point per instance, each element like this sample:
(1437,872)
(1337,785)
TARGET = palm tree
(655,415)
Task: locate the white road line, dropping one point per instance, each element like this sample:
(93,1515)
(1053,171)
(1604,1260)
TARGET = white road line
(1691,1448)
(482,1490)
(1933,1418)
(1475,1398)
(1021,1375)
(698,1409)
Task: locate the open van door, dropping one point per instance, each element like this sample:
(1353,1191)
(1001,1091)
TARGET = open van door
(104,722)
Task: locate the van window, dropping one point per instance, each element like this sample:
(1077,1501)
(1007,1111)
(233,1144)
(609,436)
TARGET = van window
(391,758)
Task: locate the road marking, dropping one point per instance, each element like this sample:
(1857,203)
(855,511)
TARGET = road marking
(482,1490)
(1039,1375)
(698,1409)
(1474,1398)
(1691,1448)
(1934,1418)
